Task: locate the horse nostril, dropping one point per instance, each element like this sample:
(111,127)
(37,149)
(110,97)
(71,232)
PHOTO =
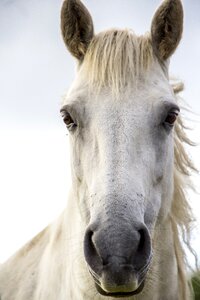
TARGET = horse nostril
(141,241)
(91,255)
(143,251)
(88,243)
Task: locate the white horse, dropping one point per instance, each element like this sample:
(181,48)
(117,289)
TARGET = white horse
(121,233)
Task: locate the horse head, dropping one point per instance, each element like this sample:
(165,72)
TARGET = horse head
(120,113)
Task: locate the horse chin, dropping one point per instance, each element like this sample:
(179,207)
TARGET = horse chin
(120,294)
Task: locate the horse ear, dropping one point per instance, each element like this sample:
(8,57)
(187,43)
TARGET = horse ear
(167,28)
(77,27)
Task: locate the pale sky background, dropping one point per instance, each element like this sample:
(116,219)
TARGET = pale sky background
(35,71)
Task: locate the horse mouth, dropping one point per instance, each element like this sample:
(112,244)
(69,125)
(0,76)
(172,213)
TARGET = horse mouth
(122,294)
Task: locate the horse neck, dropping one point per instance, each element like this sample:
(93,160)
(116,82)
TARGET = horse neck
(63,257)
(185,290)
(168,268)
(77,275)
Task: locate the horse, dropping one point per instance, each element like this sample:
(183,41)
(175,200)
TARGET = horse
(127,218)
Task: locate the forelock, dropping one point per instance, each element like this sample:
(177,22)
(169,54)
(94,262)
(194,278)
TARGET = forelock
(117,58)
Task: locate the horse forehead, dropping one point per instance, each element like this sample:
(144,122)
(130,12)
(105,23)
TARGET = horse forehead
(132,104)
(151,87)
(137,100)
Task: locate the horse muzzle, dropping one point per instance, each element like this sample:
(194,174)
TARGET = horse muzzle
(126,282)
(118,258)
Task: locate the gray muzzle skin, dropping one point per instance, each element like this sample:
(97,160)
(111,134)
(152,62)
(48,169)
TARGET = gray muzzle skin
(118,254)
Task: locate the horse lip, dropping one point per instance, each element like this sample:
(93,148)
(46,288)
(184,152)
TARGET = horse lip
(120,295)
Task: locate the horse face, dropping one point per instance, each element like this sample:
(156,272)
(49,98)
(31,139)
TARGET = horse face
(122,159)
(122,166)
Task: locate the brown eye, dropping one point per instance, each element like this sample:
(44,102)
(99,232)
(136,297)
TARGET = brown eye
(171,118)
(68,120)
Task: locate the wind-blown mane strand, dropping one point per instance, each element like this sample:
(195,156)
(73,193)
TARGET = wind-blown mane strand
(182,218)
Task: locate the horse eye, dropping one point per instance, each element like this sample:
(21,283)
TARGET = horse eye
(68,120)
(171,118)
